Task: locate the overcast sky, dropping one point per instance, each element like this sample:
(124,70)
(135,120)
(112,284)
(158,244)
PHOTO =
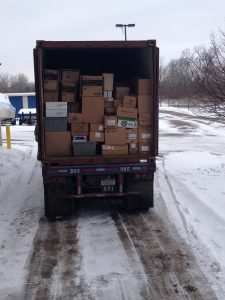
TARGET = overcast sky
(175,24)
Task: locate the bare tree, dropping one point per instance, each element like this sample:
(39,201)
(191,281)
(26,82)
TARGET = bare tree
(4,82)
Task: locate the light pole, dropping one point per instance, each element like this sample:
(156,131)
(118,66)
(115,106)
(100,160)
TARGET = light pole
(125,28)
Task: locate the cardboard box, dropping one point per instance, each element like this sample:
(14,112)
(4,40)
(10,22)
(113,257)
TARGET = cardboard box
(122,91)
(70,76)
(50,85)
(127,122)
(73,107)
(93,109)
(110,121)
(97,136)
(117,103)
(97,127)
(51,96)
(115,136)
(133,148)
(108,81)
(79,129)
(52,72)
(90,80)
(132,135)
(126,112)
(130,101)
(68,96)
(79,138)
(108,104)
(57,144)
(144,134)
(91,91)
(144,86)
(144,148)
(114,149)
(75,118)
(144,103)
(144,119)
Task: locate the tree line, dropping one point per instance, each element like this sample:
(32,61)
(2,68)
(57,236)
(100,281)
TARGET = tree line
(15,83)
(198,76)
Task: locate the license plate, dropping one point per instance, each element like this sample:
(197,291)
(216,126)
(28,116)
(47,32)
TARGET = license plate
(108,185)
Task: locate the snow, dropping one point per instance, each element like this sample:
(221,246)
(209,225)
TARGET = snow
(27,111)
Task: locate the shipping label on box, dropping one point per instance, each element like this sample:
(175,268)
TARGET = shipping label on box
(130,101)
(114,149)
(133,148)
(79,129)
(89,91)
(144,133)
(144,86)
(97,127)
(144,119)
(79,138)
(51,96)
(144,148)
(75,118)
(127,122)
(93,109)
(108,81)
(144,103)
(115,136)
(50,85)
(132,136)
(97,136)
(122,91)
(126,112)
(110,121)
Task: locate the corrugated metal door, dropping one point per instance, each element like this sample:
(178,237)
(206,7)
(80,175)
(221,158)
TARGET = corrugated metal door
(17,102)
(31,101)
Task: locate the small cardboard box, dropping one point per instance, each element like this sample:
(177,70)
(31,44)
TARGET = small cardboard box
(110,121)
(126,112)
(108,81)
(75,118)
(57,144)
(68,96)
(50,85)
(133,148)
(70,76)
(144,86)
(122,91)
(79,129)
(97,136)
(93,109)
(144,134)
(130,101)
(92,91)
(115,136)
(51,96)
(109,104)
(144,103)
(51,73)
(132,136)
(127,122)
(144,119)
(110,111)
(114,149)
(144,148)
(97,127)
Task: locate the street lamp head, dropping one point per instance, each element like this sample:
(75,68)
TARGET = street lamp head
(119,25)
(130,25)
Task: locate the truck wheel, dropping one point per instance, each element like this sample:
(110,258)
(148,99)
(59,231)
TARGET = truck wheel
(20,122)
(56,207)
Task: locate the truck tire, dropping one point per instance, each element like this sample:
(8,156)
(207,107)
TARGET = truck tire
(20,122)
(143,201)
(56,207)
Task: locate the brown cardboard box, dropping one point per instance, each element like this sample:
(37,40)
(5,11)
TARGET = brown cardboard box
(144,134)
(144,119)
(50,85)
(115,136)
(108,81)
(51,72)
(114,149)
(91,80)
(130,101)
(127,112)
(132,135)
(91,91)
(108,104)
(79,129)
(57,144)
(96,136)
(144,87)
(51,96)
(73,107)
(70,76)
(133,148)
(75,118)
(110,121)
(97,127)
(68,96)
(144,103)
(144,148)
(117,103)
(122,91)
(93,109)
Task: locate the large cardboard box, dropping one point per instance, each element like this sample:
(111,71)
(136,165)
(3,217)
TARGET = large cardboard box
(110,121)
(51,96)
(144,103)
(75,118)
(108,81)
(144,119)
(50,85)
(127,122)
(97,136)
(92,91)
(122,91)
(57,144)
(115,136)
(130,101)
(133,148)
(114,149)
(79,129)
(144,134)
(132,136)
(93,109)
(126,112)
(144,86)
(144,148)
(97,127)
(70,76)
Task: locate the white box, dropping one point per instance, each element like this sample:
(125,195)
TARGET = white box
(108,81)
(56,113)
(56,105)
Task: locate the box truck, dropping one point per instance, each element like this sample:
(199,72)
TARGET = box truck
(97,120)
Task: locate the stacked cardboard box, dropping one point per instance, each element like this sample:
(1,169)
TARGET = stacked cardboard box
(51,85)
